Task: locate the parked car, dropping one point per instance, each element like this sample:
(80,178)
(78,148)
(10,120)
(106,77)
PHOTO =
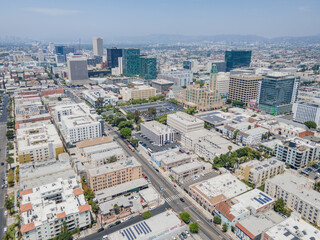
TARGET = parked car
(5,212)
(182,200)
(100,229)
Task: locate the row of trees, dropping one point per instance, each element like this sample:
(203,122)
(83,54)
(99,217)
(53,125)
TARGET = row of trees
(185,217)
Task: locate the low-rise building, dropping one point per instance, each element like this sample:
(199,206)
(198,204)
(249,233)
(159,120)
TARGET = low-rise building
(186,171)
(297,152)
(38,142)
(98,97)
(184,122)
(44,209)
(137,92)
(164,226)
(171,158)
(257,172)
(159,133)
(113,174)
(209,193)
(292,228)
(297,193)
(162,85)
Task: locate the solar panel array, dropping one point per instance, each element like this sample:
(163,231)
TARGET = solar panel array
(141,228)
(262,199)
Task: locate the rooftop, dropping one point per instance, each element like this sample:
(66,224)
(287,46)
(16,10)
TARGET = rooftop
(186,167)
(94,141)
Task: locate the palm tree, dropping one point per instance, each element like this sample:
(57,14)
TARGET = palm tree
(229,148)
(10,160)
(100,102)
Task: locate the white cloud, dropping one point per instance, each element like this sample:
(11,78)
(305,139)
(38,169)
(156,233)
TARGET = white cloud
(53,11)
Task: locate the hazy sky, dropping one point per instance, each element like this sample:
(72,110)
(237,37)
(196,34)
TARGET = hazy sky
(74,19)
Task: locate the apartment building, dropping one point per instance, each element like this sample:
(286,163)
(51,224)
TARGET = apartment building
(257,172)
(243,88)
(297,152)
(137,92)
(297,193)
(186,171)
(159,133)
(178,77)
(209,193)
(99,96)
(184,122)
(171,158)
(44,209)
(38,141)
(113,174)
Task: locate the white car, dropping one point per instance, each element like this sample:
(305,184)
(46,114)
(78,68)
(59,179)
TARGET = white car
(5,212)
(105,237)
(5,229)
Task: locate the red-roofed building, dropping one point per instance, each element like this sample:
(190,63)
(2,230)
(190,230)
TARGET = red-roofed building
(61,215)
(45,93)
(27,228)
(77,191)
(25,207)
(26,192)
(245,231)
(84,208)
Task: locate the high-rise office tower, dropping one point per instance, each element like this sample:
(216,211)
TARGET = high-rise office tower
(277,92)
(148,67)
(63,51)
(131,61)
(77,70)
(97,46)
(237,59)
(113,55)
(243,88)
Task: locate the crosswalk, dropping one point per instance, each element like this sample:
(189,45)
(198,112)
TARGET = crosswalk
(174,197)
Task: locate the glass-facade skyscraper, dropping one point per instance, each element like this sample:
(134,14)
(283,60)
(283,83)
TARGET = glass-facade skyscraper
(112,56)
(237,59)
(131,61)
(148,67)
(277,93)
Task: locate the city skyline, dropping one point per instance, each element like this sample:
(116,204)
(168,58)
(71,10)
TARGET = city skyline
(114,20)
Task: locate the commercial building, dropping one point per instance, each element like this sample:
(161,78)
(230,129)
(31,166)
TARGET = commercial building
(113,55)
(203,98)
(241,207)
(221,65)
(161,85)
(306,111)
(171,158)
(243,88)
(277,92)
(184,122)
(178,77)
(210,192)
(297,193)
(186,171)
(38,142)
(97,46)
(292,228)
(237,59)
(131,61)
(113,174)
(257,172)
(77,70)
(164,226)
(158,133)
(44,209)
(223,81)
(297,152)
(148,67)
(137,92)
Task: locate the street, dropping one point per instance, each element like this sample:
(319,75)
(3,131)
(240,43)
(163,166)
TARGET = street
(3,153)
(207,229)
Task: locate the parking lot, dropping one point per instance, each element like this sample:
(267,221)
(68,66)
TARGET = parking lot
(145,142)
(161,107)
(313,172)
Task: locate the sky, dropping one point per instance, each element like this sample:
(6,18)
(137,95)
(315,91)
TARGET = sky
(69,20)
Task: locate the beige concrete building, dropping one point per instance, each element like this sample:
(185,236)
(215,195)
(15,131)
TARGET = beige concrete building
(184,122)
(257,172)
(297,193)
(243,88)
(38,141)
(186,171)
(113,174)
(137,92)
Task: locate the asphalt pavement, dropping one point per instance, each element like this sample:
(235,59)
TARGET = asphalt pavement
(3,154)
(207,229)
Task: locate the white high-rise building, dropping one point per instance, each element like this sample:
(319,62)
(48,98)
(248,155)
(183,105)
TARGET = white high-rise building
(97,46)
(305,111)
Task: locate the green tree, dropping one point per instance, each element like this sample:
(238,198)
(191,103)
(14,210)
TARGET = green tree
(249,127)
(125,132)
(124,124)
(65,234)
(235,133)
(59,99)
(147,215)
(10,134)
(10,160)
(279,205)
(112,159)
(224,227)
(8,204)
(194,227)
(119,120)
(230,149)
(185,216)
(134,142)
(207,126)
(152,111)
(310,124)
(228,101)
(216,220)
(136,115)
(100,102)
(199,82)
(115,206)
